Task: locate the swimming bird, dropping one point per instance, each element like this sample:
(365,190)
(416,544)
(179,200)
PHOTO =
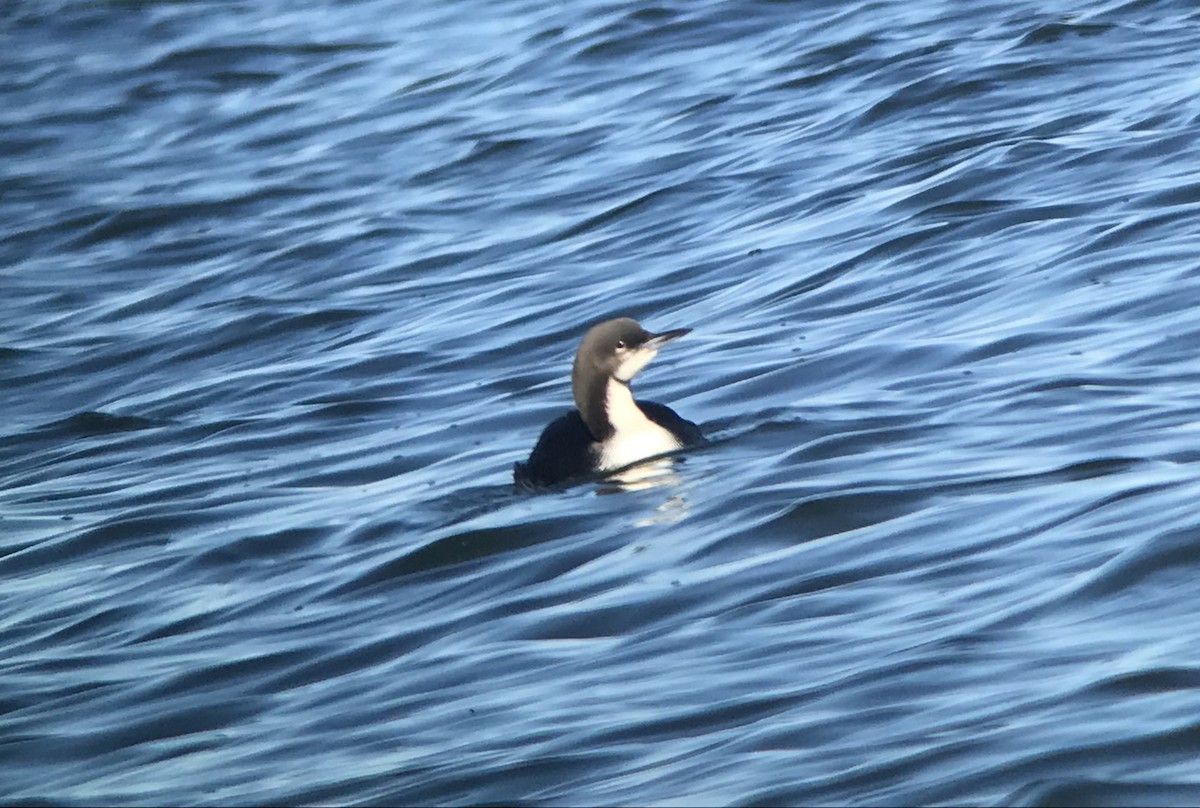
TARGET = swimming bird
(609,429)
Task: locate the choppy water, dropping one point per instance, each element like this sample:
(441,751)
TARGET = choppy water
(286,288)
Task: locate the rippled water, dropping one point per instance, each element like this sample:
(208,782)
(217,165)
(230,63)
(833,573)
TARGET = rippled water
(288,287)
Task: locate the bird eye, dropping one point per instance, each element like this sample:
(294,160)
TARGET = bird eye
(620,344)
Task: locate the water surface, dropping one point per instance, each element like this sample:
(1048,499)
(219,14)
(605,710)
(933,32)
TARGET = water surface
(285,289)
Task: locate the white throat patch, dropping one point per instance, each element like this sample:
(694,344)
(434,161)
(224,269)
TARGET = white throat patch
(635,437)
(634,362)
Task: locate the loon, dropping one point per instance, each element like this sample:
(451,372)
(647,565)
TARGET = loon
(610,429)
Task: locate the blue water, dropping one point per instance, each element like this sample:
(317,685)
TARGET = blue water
(286,288)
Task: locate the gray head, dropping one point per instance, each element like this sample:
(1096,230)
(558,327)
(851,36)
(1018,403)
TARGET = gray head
(614,349)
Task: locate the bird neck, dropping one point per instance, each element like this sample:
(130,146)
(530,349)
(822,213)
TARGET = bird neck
(607,407)
(591,398)
(623,413)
